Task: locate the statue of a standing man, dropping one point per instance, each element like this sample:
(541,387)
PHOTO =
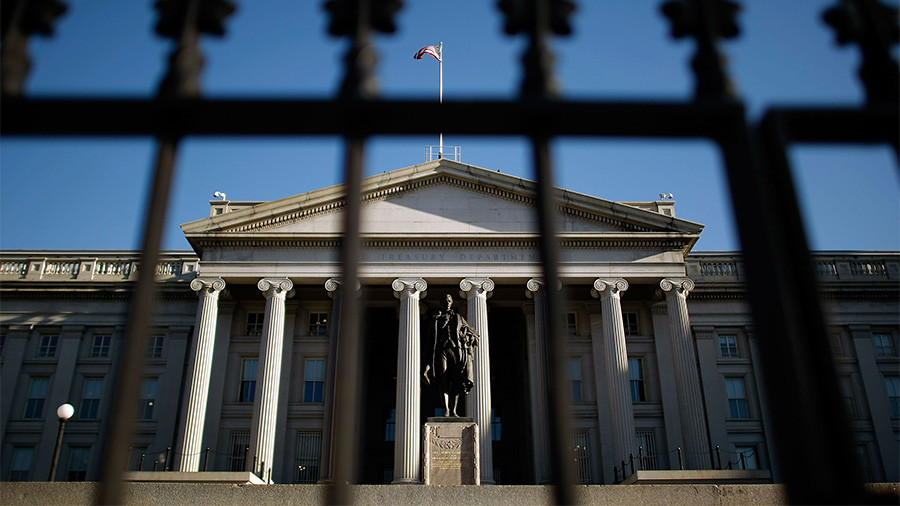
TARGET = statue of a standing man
(450,367)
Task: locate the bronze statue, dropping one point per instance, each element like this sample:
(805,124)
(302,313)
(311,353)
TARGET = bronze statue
(450,367)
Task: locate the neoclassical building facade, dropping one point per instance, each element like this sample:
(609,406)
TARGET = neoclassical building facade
(663,359)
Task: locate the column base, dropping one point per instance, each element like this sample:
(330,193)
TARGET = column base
(405,482)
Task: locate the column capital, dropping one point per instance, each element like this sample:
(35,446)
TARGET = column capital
(704,332)
(475,285)
(533,286)
(208,286)
(860,331)
(681,286)
(608,287)
(408,285)
(335,285)
(332,285)
(277,286)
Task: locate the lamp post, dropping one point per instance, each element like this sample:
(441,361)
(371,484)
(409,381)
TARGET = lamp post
(64,412)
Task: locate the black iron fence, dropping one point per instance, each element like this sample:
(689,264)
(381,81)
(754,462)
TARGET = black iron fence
(803,389)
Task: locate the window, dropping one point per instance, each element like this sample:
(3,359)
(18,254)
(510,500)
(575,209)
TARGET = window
(645,440)
(728,346)
(884,345)
(155,347)
(390,425)
(249,368)
(309,447)
(865,464)
(20,467)
(314,386)
(582,457)
(571,324)
(90,398)
(849,398)
(636,377)
(37,393)
(47,348)
(892,385)
(254,323)
(737,399)
(630,321)
(318,324)
(496,425)
(240,443)
(575,379)
(78,464)
(100,346)
(837,345)
(147,399)
(746,457)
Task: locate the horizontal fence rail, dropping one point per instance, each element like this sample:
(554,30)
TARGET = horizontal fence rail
(780,274)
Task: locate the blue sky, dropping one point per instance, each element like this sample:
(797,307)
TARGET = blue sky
(89,193)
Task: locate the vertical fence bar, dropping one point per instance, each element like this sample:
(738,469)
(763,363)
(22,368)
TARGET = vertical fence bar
(549,247)
(347,395)
(539,19)
(800,378)
(128,378)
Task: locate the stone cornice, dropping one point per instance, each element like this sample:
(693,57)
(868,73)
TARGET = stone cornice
(122,293)
(655,241)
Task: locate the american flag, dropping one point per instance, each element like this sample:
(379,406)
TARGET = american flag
(432,50)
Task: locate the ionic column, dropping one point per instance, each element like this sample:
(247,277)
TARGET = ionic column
(687,379)
(478,402)
(208,290)
(335,291)
(616,358)
(537,356)
(407,453)
(265,409)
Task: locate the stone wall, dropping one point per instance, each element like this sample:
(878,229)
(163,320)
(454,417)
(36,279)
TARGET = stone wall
(210,493)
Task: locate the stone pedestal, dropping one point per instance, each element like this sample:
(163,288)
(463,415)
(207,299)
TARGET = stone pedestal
(451,452)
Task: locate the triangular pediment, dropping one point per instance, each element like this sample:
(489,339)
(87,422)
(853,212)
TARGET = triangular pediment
(439,198)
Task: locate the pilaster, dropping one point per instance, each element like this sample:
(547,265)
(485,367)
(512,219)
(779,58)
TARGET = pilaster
(879,408)
(765,413)
(13,357)
(60,392)
(668,393)
(407,444)
(478,402)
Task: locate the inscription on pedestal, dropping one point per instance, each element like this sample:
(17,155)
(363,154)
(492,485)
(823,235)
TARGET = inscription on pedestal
(451,452)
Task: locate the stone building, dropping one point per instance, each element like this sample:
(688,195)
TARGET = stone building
(239,370)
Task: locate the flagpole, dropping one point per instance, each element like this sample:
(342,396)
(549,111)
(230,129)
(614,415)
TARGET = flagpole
(441,97)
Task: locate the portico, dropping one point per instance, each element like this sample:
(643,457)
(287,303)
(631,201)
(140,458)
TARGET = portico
(436,228)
